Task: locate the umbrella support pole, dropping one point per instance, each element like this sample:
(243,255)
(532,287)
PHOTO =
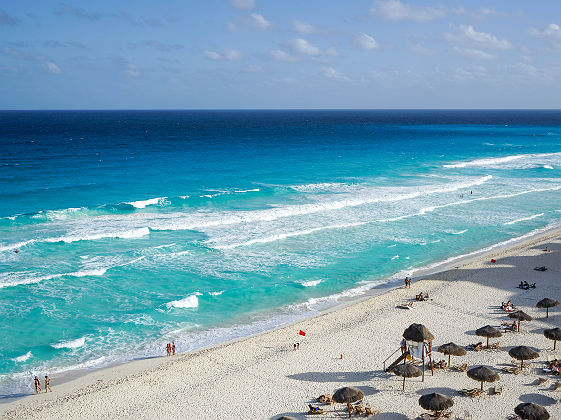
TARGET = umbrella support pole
(403,389)
(423,364)
(554,344)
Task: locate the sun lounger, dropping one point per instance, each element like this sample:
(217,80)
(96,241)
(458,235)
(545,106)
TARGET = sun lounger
(513,369)
(541,381)
(556,386)
(476,347)
(325,399)
(369,412)
(427,416)
(493,346)
(460,368)
(471,392)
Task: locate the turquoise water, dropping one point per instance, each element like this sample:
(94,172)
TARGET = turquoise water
(137,228)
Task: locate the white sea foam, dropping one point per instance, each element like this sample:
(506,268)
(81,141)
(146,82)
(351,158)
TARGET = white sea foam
(216,293)
(18,278)
(391,246)
(523,219)
(321,187)
(150,202)
(245,191)
(133,261)
(190,301)
(163,246)
(70,344)
(311,283)
(547,167)
(395,257)
(459,233)
(507,162)
(23,357)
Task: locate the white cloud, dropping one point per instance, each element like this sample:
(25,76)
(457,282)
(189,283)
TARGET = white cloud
(259,22)
(396,10)
(366,42)
(242,4)
(422,50)
(331,73)
(475,54)
(282,55)
(52,67)
(551,33)
(474,73)
(227,54)
(213,55)
(482,39)
(132,70)
(301,46)
(303,28)
(232,55)
(524,69)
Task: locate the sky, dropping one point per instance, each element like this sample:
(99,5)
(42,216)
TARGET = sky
(280,54)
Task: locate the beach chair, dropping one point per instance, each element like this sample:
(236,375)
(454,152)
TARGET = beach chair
(474,392)
(556,386)
(368,412)
(460,368)
(496,390)
(512,369)
(541,381)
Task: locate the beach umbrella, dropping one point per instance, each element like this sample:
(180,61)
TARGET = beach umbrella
(348,395)
(488,331)
(451,349)
(553,334)
(407,371)
(483,374)
(417,333)
(436,402)
(520,316)
(523,353)
(547,303)
(531,411)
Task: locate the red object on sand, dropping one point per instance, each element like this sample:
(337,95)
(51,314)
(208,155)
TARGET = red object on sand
(493,261)
(302,333)
(341,356)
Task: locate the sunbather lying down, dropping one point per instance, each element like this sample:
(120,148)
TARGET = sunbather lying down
(525,285)
(508,306)
(315,410)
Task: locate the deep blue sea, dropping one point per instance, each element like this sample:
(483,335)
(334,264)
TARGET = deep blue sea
(136,228)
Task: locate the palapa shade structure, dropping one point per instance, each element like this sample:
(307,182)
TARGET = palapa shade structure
(417,333)
(488,331)
(348,395)
(520,316)
(451,349)
(547,303)
(531,411)
(483,374)
(523,353)
(407,371)
(553,334)
(436,402)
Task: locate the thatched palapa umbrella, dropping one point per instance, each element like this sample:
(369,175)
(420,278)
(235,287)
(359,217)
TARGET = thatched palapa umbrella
(531,411)
(348,395)
(553,334)
(436,402)
(483,374)
(520,316)
(488,331)
(547,303)
(407,371)
(451,349)
(417,333)
(523,353)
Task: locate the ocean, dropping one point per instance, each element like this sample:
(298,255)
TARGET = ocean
(121,231)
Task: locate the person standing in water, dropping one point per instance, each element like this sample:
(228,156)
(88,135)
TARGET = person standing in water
(173,347)
(37,385)
(48,384)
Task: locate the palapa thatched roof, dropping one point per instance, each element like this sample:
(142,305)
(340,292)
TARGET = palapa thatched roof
(435,402)
(488,331)
(523,353)
(453,349)
(547,303)
(407,371)
(520,315)
(483,374)
(348,394)
(531,411)
(417,333)
(552,333)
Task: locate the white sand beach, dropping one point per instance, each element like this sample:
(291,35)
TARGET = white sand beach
(261,377)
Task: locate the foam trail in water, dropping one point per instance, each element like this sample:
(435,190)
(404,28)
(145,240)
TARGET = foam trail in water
(459,233)
(311,283)
(501,161)
(395,257)
(216,293)
(23,357)
(245,191)
(150,202)
(190,301)
(71,344)
(15,279)
(523,219)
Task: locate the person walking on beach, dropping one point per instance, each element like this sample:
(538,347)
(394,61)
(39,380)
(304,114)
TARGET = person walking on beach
(48,384)
(37,385)
(168,349)
(297,346)
(173,347)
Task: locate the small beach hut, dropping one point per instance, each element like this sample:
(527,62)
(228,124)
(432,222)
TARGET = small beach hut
(553,334)
(407,371)
(547,303)
(531,411)
(483,374)
(488,331)
(520,316)
(436,403)
(348,395)
(419,340)
(523,353)
(451,349)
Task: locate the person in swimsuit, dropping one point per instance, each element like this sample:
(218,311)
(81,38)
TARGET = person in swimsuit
(173,347)
(48,384)
(37,385)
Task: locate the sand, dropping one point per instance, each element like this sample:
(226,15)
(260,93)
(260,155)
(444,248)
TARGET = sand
(261,377)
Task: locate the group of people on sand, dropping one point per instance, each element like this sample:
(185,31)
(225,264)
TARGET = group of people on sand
(170,349)
(296,346)
(47,385)
(508,306)
(526,286)
(554,367)
(422,296)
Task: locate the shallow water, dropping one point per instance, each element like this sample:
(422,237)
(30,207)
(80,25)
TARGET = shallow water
(138,228)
